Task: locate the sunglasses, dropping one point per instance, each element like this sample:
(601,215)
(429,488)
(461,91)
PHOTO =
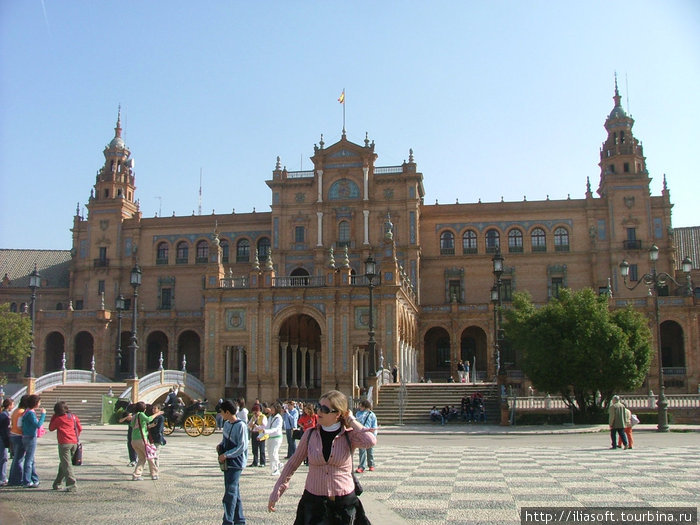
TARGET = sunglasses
(324,409)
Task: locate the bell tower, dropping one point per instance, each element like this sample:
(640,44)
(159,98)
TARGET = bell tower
(621,156)
(114,183)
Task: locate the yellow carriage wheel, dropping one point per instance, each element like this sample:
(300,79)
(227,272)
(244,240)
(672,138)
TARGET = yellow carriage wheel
(209,425)
(193,425)
(168,428)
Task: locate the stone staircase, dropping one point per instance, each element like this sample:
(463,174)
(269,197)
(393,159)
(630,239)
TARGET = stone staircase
(420,397)
(84,400)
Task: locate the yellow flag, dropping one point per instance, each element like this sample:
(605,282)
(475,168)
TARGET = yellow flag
(341,98)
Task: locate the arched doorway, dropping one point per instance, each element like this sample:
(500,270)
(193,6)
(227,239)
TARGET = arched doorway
(188,345)
(84,350)
(473,349)
(54,347)
(300,357)
(437,354)
(156,344)
(673,354)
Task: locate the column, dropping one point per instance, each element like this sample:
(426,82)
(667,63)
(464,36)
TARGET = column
(365,368)
(320,185)
(304,352)
(228,365)
(319,227)
(365,180)
(360,368)
(312,366)
(283,364)
(241,366)
(366,214)
(294,365)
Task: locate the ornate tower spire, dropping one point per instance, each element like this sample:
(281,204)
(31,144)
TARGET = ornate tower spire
(621,154)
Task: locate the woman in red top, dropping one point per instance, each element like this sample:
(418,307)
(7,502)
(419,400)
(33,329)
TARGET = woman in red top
(68,429)
(308,419)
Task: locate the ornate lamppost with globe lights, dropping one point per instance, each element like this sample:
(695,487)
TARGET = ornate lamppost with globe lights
(135,280)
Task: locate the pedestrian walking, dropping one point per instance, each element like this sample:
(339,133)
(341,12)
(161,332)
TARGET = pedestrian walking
(31,424)
(233,454)
(17,466)
(257,419)
(367,419)
(329,492)
(273,433)
(139,431)
(460,371)
(7,406)
(290,417)
(68,429)
(618,419)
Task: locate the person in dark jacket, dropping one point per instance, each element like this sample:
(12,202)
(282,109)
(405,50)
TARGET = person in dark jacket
(233,451)
(155,429)
(7,406)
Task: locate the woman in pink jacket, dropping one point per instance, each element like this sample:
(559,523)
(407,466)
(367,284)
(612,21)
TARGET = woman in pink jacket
(329,494)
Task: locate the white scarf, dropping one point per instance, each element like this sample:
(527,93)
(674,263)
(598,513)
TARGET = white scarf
(335,426)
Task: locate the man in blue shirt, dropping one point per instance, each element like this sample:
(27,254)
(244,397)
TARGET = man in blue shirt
(290,418)
(233,451)
(367,419)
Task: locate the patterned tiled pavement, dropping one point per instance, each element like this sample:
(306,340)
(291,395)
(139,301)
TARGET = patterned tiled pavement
(421,479)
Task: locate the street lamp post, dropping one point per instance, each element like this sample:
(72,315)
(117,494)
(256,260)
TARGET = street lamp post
(371,273)
(655,281)
(120,303)
(134,346)
(497,300)
(34,283)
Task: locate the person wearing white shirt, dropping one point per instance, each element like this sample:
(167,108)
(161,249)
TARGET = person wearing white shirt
(273,431)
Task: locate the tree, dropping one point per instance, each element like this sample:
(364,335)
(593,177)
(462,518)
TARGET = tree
(577,346)
(15,337)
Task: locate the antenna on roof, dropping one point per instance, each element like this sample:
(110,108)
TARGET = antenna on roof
(199,209)
(160,205)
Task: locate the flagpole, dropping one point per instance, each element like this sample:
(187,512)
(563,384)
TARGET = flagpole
(341,99)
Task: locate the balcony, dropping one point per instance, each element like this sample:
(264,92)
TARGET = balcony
(632,245)
(162,260)
(561,248)
(101,263)
(447,251)
(299,281)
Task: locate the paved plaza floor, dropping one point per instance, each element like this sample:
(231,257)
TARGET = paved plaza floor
(426,475)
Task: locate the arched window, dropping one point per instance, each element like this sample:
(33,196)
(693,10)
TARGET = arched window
(561,240)
(202,251)
(13,307)
(344,234)
(539,240)
(263,249)
(162,253)
(447,243)
(469,242)
(224,251)
(515,241)
(493,241)
(182,252)
(243,251)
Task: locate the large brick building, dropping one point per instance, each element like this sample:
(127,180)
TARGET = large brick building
(276,304)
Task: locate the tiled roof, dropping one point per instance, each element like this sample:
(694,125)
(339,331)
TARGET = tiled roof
(687,242)
(53,267)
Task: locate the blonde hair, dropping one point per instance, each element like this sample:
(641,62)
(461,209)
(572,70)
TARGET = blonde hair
(337,400)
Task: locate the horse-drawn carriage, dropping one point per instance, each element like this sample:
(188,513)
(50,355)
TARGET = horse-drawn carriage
(192,418)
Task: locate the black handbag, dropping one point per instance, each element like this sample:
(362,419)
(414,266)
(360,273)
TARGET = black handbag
(77,458)
(297,433)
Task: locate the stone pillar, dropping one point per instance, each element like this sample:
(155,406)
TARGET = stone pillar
(320,185)
(312,367)
(366,226)
(228,366)
(241,366)
(319,227)
(304,352)
(365,182)
(134,384)
(294,365)
(283,364)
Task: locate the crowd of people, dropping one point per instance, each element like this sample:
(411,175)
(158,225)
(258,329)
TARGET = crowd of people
(471,410)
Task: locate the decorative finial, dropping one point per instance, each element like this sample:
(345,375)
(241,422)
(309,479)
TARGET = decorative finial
(346,260)
(77,210)
(617,97)
(366,140)
(278,165)
(331,259)
(410,155)
(269,266)
(118,129)
(256,262)
(321,143)
(588,185)
(388,228)
(665,185)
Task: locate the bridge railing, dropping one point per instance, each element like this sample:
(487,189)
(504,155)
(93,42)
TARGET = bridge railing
(680,401)
(161,378)
(62,377)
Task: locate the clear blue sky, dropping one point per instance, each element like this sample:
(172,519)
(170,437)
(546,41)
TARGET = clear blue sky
(495,98)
